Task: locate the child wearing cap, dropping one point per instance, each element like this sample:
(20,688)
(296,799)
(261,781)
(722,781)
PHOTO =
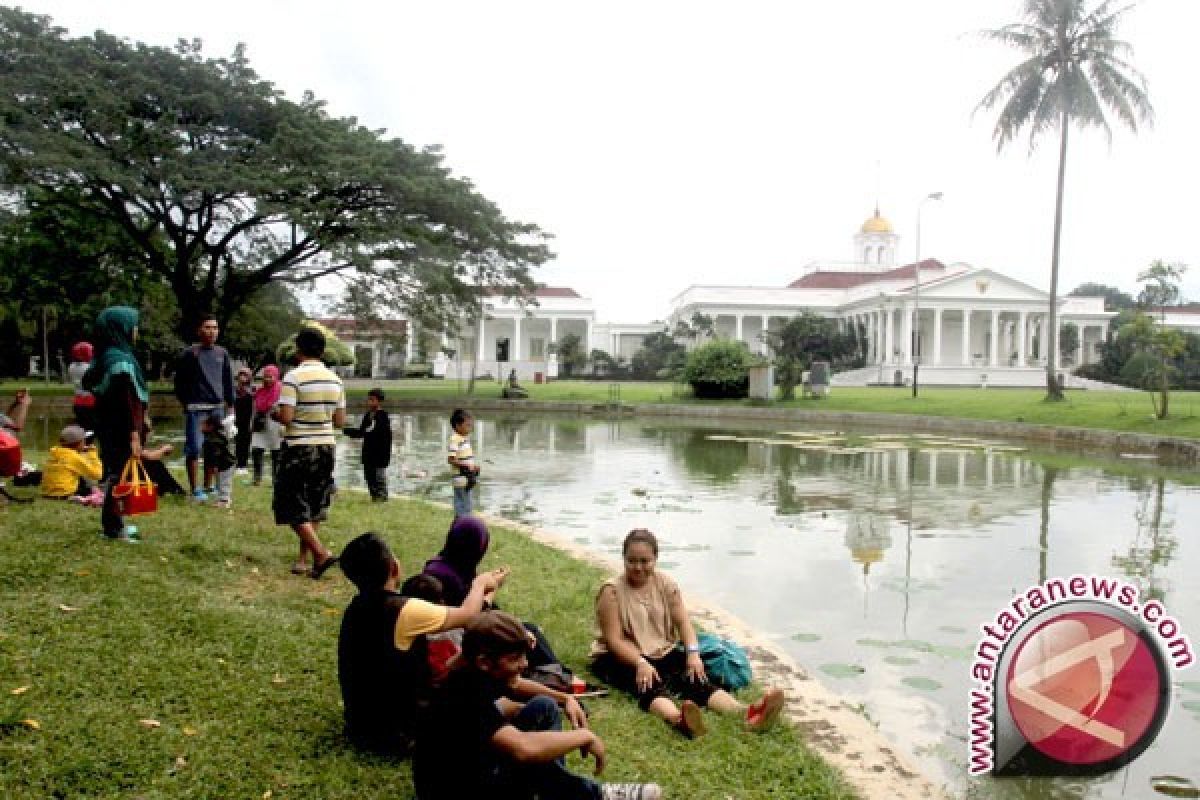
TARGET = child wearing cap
(73,468)
(491,733)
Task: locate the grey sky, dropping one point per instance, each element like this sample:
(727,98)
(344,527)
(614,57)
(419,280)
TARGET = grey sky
(671,143)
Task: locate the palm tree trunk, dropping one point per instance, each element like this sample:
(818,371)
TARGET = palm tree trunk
(1054,390)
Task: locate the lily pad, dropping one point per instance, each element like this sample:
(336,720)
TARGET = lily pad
(915,644)
(742,553)
(950,651)
(873,643)
(1192,705)
(900,661)
(806,637)
(667,564)
(924,684)
(842,670)
(1174,786)
(1189,686)
(951,629)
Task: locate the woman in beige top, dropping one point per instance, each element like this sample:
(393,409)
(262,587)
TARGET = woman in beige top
(647,646)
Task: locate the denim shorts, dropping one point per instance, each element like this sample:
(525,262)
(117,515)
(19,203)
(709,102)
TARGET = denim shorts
(193,436)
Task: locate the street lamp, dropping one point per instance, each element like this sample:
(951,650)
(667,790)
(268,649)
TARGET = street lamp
(916,328)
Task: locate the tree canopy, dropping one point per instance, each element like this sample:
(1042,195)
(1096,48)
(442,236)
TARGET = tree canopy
(1114,298)
(208,177)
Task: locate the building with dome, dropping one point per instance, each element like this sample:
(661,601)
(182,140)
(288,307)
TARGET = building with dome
(976,326)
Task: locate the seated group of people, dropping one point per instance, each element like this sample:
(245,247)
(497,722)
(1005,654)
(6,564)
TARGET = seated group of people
(482,726)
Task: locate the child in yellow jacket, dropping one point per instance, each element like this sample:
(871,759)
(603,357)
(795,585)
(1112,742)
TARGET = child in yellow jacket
(73,467)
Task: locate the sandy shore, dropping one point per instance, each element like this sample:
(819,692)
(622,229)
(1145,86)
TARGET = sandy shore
(831,726)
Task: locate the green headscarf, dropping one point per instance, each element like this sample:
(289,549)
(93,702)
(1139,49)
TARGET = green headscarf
(113,338)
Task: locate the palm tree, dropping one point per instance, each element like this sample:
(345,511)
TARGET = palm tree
(1075,71)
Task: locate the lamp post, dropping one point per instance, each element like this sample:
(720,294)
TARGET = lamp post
(916,328)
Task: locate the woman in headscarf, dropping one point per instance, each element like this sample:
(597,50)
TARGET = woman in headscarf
(268,434)
(455,566)
(116,380)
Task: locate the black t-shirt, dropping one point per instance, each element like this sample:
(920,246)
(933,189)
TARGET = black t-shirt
(454,755)
(381,685)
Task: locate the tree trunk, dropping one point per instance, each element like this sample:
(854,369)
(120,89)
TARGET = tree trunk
(1054,391)
(1165,390)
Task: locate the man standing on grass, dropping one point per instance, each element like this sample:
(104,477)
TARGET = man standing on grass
(204,386)
(312,404)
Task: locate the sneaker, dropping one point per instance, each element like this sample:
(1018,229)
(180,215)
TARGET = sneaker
(691,720)
(226,504)
(199,495)
(630,791)
(242,471)
(761,715)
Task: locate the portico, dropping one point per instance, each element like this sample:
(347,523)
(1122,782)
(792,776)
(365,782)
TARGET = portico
(974,325)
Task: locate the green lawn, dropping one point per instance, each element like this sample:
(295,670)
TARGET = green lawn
(202,630)
(1119,411)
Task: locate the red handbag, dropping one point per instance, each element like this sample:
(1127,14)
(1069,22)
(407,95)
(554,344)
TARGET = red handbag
(10,455)
(134,494)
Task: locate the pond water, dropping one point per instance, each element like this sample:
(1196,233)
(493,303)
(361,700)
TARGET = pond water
(872,558)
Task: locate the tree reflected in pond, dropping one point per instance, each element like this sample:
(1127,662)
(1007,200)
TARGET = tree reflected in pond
(1153,544)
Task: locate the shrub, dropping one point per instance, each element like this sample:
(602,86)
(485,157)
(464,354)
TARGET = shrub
(719,368)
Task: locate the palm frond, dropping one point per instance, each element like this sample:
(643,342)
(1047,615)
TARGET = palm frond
(1124,96)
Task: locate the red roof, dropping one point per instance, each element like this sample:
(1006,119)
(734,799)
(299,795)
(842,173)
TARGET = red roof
(836,279)
(349,326)
(1184,308)
(547,291)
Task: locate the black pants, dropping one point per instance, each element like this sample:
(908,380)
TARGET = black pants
(376,478)
(256,456)
(241,444)
(112,458)
(672,673)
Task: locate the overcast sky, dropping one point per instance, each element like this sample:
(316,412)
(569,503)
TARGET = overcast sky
(666,144)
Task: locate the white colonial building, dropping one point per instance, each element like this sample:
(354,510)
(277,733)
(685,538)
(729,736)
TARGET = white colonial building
(975,325)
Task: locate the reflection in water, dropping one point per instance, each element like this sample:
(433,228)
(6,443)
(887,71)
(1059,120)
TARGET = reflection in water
(1153,544)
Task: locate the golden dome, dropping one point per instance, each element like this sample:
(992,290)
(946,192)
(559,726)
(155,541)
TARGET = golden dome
(877,224)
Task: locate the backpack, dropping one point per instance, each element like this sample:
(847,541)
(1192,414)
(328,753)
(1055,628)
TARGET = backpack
(725,662)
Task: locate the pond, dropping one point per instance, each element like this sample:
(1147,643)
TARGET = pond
(872,558)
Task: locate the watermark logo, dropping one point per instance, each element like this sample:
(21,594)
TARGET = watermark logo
(1072,678)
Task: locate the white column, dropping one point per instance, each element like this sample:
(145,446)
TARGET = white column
(1079,349)
(410,345)
(966,337)
(480,334)
(553,329)
(762,335)
(888,336)
(908,328)
(1021,340)
(587,336)
(737,327)
(515,355)
(992,357)
(937,337)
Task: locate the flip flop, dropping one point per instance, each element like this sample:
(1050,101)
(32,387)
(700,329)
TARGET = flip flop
(691,720)
(319,569)
(762,714)
(300,569)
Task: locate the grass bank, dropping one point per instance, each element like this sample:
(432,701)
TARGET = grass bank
(1130,412)
(201,630)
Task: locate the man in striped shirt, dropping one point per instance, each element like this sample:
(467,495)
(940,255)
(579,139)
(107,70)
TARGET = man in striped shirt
(312,405)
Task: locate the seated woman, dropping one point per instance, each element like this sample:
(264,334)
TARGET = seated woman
(455,568)
(646,645)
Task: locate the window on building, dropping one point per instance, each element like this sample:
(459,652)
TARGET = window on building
(537,348)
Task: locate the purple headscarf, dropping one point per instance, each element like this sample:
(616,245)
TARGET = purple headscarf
(455,566)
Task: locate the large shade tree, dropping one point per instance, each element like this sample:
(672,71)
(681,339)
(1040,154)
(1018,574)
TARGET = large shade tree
(222,185)
(1075,72)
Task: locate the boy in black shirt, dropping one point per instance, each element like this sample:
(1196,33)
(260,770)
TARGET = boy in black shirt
(376,432)
(381,646)
(491,733)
